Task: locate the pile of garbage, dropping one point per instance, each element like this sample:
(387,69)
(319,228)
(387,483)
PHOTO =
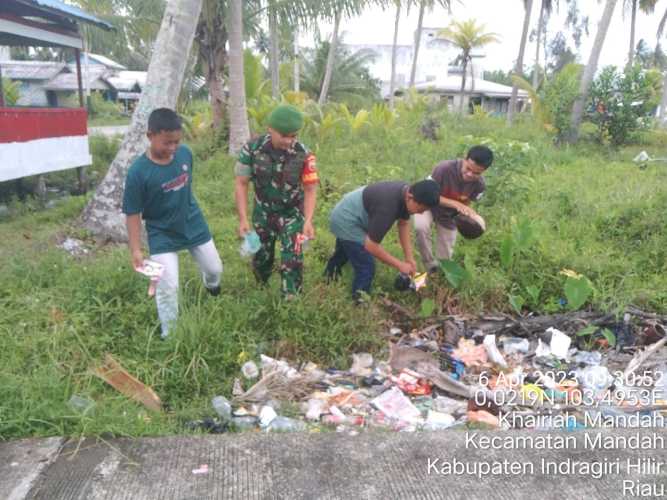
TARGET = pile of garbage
(435,380)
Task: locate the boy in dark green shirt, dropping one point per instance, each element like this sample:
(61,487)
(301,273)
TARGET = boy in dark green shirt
(158,189)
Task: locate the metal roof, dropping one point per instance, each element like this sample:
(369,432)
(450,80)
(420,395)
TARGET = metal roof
(100,59)
(58,7)
(452,85)
(128,80)
(68,81)
(31,70)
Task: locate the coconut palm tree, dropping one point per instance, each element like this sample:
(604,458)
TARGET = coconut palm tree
(351,80)
(335,10)
(239,131)
(646,6)
(331,56)
(212,36)
(394,52)
(102,215)
(657,52)
(546,8)
(303,13)
(589,71)
(467,35)
(423,5)
(518,69)
(274,62)
(136,23)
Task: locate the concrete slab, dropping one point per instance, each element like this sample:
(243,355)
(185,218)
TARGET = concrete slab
(367,466)
(22,462)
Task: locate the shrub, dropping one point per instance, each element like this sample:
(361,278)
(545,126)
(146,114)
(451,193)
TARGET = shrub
(10,92)
(620,103)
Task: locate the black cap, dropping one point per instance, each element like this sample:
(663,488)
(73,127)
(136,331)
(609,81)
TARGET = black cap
(469,227)
(426,193)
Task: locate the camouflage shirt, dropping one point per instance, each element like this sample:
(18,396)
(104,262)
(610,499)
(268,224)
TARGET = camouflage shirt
(278,176)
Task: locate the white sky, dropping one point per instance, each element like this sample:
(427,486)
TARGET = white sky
(504,17)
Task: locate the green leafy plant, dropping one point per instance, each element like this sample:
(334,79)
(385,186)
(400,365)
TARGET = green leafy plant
(354,122)
(533,292)
(590,332)
(620,101)
(517,302)
(456,274)
(426,308)
(558,96)
(519,240)
(577,289)
(10,92)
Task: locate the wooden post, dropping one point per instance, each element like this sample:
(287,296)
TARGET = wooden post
(77,57)
(80,171)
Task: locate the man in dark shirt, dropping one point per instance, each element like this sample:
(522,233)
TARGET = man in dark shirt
(460,182)
(362,219)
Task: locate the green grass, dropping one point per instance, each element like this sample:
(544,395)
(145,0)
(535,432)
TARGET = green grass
(588,209)
(108,120)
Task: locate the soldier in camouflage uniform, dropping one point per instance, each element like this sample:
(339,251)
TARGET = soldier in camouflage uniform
(285,179)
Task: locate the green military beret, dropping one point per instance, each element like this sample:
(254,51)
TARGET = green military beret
(286,119)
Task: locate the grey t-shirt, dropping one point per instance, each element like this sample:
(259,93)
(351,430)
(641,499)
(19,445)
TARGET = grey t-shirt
(452,186)
(369,211)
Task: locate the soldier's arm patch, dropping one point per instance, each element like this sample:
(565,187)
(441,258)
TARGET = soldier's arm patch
(309,175)
(246,155)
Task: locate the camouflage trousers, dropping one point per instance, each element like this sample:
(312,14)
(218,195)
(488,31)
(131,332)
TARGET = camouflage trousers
(283,226)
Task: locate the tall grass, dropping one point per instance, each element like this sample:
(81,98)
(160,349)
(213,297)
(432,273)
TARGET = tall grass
(587,209)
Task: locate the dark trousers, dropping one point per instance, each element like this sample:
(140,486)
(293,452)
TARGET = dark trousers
(362,262)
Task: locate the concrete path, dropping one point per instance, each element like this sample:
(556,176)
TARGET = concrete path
(329,465)
(109,130)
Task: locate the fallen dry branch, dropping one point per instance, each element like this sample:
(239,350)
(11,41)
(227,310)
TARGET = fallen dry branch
(276,385)
(502,324)
(642,356)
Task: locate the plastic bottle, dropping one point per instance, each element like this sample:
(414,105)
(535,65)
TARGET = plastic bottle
(222,407)
(250,245)
(81,404)
(514,345)
(245,423)
(286,424)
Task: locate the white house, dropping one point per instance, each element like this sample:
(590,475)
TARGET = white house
(434,75)
(434,56)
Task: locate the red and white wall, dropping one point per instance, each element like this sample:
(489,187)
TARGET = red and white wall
(36,141)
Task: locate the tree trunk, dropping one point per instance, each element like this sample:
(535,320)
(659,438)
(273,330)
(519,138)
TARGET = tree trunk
(331,56)
(394,52)
(239,132)
(463,83)
(518,69)
(589,71)
(102,215)
(536,68)
(633,23)
(418,39)
(662,116)
(212,42)
(273,52)
(297,76)
(213,72)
